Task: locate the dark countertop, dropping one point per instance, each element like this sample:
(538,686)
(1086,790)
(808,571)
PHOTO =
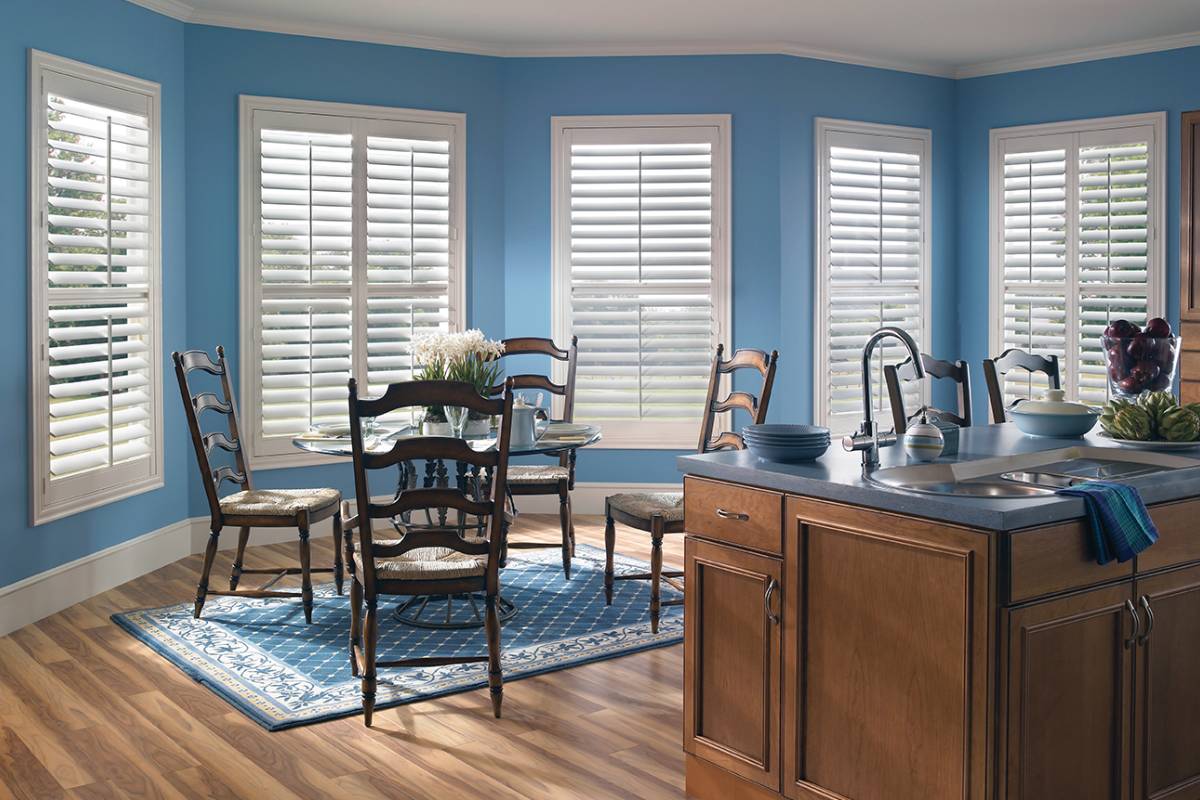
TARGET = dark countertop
(838,476)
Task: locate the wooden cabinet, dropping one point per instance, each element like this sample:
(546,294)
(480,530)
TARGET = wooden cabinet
(1067,700)
(1189,220)
(885,657)
(732,659)
(1167,697)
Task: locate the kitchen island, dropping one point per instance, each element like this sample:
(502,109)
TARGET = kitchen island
(846,640)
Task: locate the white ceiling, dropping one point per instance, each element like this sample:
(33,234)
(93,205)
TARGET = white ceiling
(942,37)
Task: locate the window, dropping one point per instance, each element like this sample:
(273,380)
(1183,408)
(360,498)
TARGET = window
(1075,241)
(873,265)
(96,427)
(351,246)
(641,268)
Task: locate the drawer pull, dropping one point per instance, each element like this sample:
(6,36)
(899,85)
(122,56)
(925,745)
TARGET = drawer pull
(737,516)
(1145,601)
(772,585)
(1137,624)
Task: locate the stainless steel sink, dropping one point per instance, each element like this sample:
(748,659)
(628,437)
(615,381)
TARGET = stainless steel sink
(1028,474)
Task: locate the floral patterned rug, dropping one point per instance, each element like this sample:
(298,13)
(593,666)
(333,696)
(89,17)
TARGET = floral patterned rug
(261,657)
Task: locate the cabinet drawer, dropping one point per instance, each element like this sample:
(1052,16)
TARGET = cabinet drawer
(1054,559)
(1178,536)
(735,514)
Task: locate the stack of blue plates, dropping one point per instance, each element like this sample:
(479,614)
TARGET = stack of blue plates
(786,442)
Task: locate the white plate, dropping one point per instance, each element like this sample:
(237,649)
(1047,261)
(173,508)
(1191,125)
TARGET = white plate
(567,429)
(1157,444)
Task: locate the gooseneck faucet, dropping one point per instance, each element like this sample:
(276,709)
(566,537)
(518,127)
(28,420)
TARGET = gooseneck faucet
(868,440)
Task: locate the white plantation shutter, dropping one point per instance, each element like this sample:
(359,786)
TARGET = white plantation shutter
(1076,247)
(356,212)
(640,271)
(873,262)
(95,253)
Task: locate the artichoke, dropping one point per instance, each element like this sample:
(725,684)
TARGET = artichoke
(1131,422)
(1157,404)
(1179,425)
(1109,412)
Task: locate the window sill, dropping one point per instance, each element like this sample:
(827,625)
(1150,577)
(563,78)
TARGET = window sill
(65,508)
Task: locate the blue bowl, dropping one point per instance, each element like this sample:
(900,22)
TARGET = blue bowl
(786,453)
(774,429)
(1057,426)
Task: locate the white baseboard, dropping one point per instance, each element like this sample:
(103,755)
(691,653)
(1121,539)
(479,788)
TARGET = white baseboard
(49,592)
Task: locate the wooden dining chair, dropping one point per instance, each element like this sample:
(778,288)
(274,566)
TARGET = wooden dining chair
(994,369)
(958,371)
(661,513)
(436,559)
(249,507)
(547,479)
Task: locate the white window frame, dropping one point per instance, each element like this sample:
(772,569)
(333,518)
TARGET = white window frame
(1068,134)
(644,434)
(71,495)
(923,137)
(327,117)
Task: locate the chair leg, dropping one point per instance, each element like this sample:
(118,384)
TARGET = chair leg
(656,537)
(306,592)
(495,676)
(610,544)
(370,637)
(564,520)
(356,602)
(339,568)
(235,574)
(210,553)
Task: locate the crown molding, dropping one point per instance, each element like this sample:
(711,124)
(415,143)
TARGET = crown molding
(1156,44)
(178,9)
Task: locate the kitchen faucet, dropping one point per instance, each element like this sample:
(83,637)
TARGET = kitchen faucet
(868,440)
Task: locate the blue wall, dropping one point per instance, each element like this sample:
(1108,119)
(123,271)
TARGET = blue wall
(1163,81)
(123,37)
(223,63)
(509,103)
(773,101)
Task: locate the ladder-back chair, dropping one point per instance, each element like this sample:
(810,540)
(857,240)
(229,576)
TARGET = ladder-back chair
(994,370)
(547,479)
(661,513)
(957,371)
(435,559)
(248,507)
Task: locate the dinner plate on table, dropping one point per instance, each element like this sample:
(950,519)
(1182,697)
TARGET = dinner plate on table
(1157,444)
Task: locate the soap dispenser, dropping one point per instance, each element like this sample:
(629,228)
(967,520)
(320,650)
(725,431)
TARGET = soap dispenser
(923,440)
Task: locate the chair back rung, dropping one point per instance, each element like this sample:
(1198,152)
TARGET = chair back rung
(444,448)
(199,359)
(219,439)
(421,499)
(417,539)
(206,400)
(228,473)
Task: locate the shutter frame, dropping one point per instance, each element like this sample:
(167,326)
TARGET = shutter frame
(363,123)
(837,382)
(1080,294)
(61,374)
(650,132)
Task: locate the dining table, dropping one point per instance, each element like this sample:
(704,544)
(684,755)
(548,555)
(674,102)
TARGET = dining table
(449,611)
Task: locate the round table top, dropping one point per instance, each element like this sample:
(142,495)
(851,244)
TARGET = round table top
(553,437)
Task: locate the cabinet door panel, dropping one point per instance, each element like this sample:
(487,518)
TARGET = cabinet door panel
(731,672)
(885,658)
(1069,693)
(1167,701)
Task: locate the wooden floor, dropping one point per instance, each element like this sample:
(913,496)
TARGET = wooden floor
(86,711)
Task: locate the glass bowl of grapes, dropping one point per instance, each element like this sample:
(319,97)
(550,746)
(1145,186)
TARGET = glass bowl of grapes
(1140,359)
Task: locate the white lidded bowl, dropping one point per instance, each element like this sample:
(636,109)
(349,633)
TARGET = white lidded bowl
(1053,417)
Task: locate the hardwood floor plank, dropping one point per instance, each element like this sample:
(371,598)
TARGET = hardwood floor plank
(87,712)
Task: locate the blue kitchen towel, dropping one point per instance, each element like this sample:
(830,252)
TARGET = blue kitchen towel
(1120,524)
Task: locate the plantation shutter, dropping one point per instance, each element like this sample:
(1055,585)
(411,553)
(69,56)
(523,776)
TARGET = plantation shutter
(1076,227)
(96,263)
(874,268)
(357,253)
(640,249)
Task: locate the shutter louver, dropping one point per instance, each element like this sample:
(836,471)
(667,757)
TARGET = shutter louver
(99,351)
(1076,250)
(307,359)
(873,265)
(640,258)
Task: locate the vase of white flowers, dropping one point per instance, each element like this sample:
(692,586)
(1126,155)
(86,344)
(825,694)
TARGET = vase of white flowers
(469,357)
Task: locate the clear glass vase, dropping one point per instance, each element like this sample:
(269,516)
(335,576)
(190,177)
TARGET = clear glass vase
(457,417)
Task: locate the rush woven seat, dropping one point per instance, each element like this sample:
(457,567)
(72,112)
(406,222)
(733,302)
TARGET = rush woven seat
(281,502)
(668,505)
(539,473)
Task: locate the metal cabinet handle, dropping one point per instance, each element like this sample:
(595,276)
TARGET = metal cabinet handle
(1145,602)
(1137,624)
(734,515)
(772,585)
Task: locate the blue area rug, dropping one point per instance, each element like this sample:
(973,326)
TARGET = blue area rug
(261,656)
